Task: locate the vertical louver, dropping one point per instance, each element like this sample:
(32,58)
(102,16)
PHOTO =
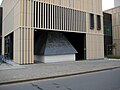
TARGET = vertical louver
(48,16)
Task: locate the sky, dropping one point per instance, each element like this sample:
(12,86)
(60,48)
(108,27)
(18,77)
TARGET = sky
(107,4)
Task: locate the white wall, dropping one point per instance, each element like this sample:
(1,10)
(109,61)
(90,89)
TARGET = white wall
(55,58)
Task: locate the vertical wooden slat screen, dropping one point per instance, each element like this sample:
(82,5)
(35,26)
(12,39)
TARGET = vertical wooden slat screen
(53,17)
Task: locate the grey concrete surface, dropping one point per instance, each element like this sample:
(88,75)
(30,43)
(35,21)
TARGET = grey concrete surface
(43,71)
(4,66)
(104,80)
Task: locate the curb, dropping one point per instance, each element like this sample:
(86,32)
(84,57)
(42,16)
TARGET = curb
(57,76)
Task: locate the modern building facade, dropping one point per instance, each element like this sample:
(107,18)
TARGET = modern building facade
(108,39)
(52,30)
(116,29)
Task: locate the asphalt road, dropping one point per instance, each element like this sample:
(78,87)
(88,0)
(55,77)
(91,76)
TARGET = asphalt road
(105,80)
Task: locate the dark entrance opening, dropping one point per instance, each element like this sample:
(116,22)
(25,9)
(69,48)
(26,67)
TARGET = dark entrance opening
(40,39)
(78,40)
(9,46)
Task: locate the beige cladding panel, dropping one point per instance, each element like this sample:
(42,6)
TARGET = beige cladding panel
(79,4)
(76,4)
(3,47)
(11,15)
(47,1)
(26,14)
(90,5)
(23,46)
(86,5)
(57,2)
(94,6)
(17,15)
(100,6)
(8,5)
(82,5)
(116,50)
(94,46)
(102,29)
(17,47)
(118,32)
(97,8)
(113,31)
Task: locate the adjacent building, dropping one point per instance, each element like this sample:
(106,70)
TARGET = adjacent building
(108,39)
(52,30)
(116,29)
(115,12)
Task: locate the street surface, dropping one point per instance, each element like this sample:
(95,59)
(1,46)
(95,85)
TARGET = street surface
(104,80)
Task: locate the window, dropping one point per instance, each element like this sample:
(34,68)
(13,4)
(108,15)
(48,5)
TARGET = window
(91,21)
(98,22)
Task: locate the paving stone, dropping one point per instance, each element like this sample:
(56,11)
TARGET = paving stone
(41,70)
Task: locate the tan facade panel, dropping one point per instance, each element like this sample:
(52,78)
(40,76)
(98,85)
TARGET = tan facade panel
(94,46)
(8,5)
(90,5)
(12,14)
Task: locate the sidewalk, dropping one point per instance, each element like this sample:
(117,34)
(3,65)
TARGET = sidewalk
(52,70)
